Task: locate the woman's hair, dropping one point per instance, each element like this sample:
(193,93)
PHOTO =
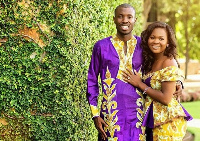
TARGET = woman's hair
(148,56)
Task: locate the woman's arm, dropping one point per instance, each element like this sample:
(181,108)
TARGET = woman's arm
(164,96)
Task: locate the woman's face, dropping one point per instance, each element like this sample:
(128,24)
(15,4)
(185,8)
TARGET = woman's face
(158,41)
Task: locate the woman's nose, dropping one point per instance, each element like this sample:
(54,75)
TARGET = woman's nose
(156,41)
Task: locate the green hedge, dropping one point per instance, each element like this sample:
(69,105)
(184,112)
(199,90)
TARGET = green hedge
(43,79)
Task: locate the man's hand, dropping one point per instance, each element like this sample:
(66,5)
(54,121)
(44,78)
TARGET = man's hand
(178,92)
(99,123)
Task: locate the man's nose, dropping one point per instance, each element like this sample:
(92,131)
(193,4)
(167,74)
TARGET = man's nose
(125,20)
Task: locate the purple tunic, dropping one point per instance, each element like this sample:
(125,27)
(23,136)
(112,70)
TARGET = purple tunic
(122,104)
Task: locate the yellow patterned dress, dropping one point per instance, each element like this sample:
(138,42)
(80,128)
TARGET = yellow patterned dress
(164,123)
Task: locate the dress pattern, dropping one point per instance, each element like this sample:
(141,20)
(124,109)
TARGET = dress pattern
(169,122)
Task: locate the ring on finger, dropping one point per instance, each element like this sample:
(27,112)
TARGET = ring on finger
(128,77)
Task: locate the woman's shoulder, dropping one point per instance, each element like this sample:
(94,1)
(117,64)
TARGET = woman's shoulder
(171,70)
(169,62)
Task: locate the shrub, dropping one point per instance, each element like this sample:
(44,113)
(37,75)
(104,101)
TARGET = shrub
(45,51)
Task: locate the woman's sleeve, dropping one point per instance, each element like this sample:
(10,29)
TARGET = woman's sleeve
(171,73)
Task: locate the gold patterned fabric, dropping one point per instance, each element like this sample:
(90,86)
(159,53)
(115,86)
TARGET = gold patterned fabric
(172,131)
(110,105)
(169,121)
(125,60)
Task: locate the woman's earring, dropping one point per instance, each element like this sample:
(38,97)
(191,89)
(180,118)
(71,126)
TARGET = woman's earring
(167,45)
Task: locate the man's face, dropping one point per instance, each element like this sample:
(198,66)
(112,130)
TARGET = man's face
(124,20)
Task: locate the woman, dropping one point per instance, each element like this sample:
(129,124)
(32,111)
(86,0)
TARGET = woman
(164,118)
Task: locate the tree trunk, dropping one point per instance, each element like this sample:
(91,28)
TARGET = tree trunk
(147,7)
(187,40)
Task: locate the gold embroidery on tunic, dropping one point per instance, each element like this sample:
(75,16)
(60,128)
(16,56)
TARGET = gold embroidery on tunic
(109,104)
(125,60)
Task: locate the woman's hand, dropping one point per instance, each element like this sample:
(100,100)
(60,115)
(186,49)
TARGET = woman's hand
(132,78)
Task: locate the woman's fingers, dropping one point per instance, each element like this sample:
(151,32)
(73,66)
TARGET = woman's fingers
(128,74)
(125,75)
(135,72)
(129,71)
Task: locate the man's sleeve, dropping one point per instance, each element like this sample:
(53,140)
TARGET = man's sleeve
(92,80)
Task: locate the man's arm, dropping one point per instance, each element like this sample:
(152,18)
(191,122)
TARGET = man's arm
(92,81)
(179,88)
(93,90)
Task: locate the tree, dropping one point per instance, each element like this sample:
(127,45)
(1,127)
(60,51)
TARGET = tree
(147,7)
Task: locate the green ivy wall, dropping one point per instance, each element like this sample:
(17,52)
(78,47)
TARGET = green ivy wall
(45,49)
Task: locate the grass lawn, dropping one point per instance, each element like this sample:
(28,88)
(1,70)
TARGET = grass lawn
(194,109)
(196,132)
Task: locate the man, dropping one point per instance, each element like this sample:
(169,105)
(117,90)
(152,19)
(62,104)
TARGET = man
(122,105)
(121,108)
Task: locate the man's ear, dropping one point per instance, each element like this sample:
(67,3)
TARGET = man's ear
(114,19)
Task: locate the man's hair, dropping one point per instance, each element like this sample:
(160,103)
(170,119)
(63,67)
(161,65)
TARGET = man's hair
(124,5)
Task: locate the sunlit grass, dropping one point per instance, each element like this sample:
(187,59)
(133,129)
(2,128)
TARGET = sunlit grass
(196,132)
(194,109)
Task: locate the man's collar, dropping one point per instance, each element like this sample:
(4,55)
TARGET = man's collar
(115,38)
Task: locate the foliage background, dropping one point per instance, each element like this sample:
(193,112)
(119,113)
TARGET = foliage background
(183,16)
(45,49)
